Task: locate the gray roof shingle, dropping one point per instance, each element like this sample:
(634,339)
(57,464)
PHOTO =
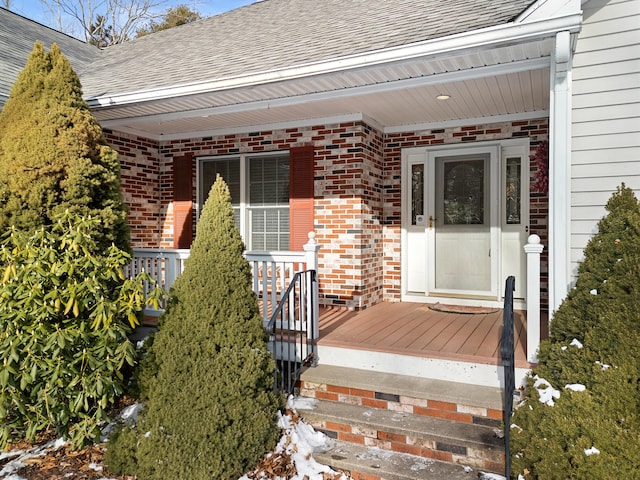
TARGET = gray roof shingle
(17,37)
(274,34)
(265,36)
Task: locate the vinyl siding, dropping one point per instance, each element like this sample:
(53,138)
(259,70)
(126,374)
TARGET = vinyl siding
(605,115)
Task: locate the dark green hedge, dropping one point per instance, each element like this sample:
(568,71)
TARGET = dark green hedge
(207,381)
(602,313)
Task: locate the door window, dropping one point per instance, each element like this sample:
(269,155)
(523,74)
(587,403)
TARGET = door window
(463,199)
(513,191)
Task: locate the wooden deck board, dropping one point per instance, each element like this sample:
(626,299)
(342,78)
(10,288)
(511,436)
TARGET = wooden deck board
(414,329)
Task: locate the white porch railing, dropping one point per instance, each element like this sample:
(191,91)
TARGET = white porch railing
(163,265)
(272,272)
(533,249)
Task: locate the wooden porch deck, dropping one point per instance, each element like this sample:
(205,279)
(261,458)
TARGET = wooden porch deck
(414,329)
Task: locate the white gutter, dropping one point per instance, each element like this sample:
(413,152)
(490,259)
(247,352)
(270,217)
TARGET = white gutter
(483,38)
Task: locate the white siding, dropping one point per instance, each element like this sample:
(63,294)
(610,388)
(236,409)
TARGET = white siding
(606,114)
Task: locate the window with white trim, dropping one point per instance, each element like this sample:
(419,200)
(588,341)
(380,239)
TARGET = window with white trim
(259,187)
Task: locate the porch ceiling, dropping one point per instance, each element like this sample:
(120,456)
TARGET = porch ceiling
(483,84)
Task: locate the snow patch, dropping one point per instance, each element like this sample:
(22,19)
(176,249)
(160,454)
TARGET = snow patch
(546,391)
(576,387)
(301,403)
(591,451)
(574,343)
(490,476)
(603,365)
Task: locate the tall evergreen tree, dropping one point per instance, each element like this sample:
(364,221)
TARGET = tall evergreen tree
(594,343)
(609,257)
(53,154)
(208,379)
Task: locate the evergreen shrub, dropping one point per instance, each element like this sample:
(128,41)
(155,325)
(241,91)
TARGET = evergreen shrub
(53,154)
(65,313)
(595,342)
(207,382)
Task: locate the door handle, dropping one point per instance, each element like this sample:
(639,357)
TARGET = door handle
(431,220)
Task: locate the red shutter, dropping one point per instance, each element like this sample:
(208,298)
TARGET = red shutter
(300,196)
(182,201)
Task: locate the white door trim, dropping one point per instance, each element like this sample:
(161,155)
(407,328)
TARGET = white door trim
(411,232)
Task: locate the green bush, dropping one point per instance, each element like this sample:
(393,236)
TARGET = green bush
(210,410)
(65,313)
(602,313)
(53,154)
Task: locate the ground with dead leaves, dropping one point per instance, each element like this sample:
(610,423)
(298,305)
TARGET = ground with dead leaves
(60,462)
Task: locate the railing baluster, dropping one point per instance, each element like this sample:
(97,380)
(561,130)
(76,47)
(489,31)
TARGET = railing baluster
(507,354)
(290,338)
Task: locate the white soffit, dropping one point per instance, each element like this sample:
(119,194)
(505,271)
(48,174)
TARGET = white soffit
(508,94)
(505,81)
(481,62)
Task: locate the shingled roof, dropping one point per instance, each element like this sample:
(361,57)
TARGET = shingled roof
(271,35)
(17,37)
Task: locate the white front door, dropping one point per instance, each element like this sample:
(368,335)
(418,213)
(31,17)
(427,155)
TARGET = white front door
(464,221)
(461,229)
(461,242)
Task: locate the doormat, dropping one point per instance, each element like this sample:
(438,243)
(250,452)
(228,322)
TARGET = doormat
(439,307)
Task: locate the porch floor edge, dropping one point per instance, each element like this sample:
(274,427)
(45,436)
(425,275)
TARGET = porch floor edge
(469,373)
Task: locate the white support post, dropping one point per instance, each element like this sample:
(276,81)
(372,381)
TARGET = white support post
(533,249)
(559,169)
(311,250)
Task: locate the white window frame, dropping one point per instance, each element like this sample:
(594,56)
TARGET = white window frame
(243,158)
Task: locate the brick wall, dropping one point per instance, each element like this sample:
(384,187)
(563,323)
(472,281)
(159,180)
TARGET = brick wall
(357,194)
(141,181)
(348,205)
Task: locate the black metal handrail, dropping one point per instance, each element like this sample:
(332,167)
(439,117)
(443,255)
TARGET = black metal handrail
(507,355)
(291,328)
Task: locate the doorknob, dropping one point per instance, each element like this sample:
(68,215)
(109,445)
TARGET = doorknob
(431,220)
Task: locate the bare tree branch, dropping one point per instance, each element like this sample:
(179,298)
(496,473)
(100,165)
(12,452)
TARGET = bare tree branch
(102,22)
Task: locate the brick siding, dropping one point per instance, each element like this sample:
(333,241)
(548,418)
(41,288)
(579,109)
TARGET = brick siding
(357,194)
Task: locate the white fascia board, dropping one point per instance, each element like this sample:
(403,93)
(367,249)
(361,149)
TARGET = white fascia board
(463,122)
(483,38)
(475,73)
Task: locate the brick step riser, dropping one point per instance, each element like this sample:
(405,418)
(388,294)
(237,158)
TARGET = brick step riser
(399,403)
(481,459)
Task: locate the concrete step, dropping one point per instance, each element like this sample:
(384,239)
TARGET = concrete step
(367,463)
(474,445)
(420,396)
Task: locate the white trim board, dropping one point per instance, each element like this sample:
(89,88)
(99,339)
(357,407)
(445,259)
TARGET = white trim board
(422,367)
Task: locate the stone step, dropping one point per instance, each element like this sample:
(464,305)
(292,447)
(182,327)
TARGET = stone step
(459,402)
(469,444)
(367,463)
